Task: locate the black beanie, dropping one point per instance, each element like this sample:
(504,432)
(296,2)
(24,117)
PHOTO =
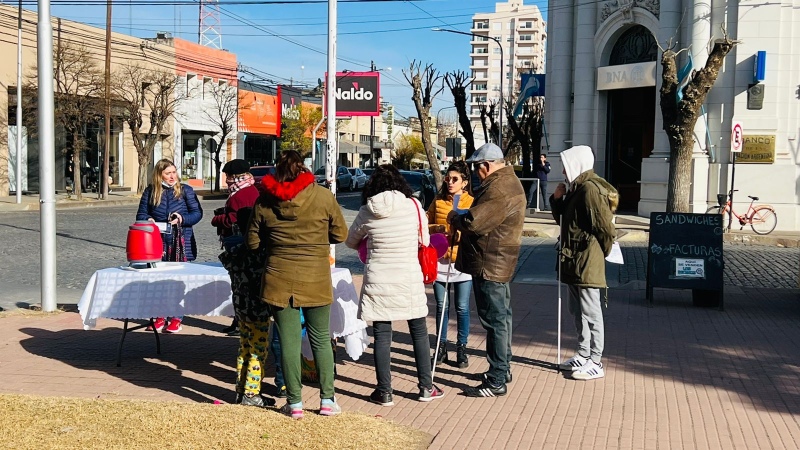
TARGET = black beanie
(236,167)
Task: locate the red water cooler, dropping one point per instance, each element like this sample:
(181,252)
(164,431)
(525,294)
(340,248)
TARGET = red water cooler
(144,243)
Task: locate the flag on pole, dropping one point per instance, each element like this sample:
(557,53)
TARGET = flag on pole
(532,86)
(683,78)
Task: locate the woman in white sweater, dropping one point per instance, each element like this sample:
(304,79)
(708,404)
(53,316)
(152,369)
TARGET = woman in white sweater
(394,224)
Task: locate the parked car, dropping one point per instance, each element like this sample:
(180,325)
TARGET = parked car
(422,188)
(368,172)
(343,178)
(359,178)
(259,172)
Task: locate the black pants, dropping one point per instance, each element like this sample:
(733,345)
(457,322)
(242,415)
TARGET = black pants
(382,332)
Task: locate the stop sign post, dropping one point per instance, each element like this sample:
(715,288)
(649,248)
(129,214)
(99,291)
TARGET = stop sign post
(737,142)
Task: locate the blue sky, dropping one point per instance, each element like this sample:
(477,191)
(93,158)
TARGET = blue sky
(390,33)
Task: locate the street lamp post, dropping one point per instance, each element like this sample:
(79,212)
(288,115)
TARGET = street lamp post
(502,73)
(372,68)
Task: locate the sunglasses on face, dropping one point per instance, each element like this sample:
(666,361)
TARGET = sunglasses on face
(452,179)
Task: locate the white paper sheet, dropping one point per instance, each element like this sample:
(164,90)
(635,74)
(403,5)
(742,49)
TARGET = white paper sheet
(615,257)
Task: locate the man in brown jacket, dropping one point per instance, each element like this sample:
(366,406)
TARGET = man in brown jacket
(490,243)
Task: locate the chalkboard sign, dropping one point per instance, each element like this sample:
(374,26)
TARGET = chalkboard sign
(685,252)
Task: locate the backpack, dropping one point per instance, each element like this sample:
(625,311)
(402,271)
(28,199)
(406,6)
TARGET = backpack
(608,191)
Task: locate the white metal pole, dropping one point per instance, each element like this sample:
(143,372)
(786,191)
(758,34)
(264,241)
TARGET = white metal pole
(18,171)
(331,153)
(47,157)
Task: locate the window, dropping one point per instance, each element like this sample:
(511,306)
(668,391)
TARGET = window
(526,25)
(481,25)
(479,87)
(190,78)
(525,50)
(145,87)
(526,37)
(496,87)
(478,62)
(480,38)
(481,50)
(207,89)
(363,138)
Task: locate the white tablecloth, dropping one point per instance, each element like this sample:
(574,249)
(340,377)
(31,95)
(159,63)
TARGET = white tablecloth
(194,289)
(171,289)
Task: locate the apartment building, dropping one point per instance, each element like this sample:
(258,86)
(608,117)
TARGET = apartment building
(521,33)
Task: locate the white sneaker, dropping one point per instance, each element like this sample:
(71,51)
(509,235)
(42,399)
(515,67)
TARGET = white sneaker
(589,371)
(574,363)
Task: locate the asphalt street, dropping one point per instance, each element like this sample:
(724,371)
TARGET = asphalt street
(94,238)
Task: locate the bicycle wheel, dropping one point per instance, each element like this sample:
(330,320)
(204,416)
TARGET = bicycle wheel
(723,212)
(763,220)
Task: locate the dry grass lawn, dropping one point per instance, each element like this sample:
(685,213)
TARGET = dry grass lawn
(29,422)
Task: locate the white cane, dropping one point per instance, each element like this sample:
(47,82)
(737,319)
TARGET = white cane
(558,264)
(445,307)
(445,300)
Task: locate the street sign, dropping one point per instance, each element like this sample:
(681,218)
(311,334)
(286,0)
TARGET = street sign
(737,137)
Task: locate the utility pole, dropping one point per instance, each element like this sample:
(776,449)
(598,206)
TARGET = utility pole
(331,150)
(107,149)
(372,125)
(47,157)
(18,172)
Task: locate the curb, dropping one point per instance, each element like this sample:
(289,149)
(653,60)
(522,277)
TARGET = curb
(771,241)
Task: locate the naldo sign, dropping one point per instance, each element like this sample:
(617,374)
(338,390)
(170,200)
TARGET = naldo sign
(357,94)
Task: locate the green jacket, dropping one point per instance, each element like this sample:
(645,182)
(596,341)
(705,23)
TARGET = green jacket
(587,231)
(297,234)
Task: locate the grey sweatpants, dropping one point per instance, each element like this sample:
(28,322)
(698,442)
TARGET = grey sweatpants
(585,307)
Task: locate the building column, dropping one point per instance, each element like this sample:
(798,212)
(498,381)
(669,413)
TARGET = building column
(655,169)
(584,81)
(558,113)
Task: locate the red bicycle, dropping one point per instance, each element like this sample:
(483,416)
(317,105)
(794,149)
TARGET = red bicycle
(761,218)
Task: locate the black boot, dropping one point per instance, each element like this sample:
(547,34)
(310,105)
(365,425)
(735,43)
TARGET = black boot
(461,357)
(442,357)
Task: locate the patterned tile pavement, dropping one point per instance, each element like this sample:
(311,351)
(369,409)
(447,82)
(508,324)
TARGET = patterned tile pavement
(677,376)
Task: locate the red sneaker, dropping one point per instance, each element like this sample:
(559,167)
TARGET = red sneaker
(159,324)
(174,326)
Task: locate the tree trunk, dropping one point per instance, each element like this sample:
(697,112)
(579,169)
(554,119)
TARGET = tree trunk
(77,176)
(144,160)
(679,117)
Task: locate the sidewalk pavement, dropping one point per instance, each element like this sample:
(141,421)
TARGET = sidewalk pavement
(89,199)
(677,376)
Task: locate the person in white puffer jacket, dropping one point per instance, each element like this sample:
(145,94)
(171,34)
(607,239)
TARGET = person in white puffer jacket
(394,224)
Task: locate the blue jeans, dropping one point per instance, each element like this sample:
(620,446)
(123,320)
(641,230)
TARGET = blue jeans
(462,290)
(493,301)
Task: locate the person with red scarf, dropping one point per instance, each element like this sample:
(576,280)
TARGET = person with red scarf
(297,220)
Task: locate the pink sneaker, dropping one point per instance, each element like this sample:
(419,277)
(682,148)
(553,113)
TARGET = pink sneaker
(174,326)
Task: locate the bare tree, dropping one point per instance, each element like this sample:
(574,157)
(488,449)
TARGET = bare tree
(424,83)
(77,99)
(147,100)
(526,131)
(458,82)
(223,114)
(680,116)
(492,131)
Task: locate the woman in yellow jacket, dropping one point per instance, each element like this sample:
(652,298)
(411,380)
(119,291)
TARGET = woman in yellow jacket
(456,183)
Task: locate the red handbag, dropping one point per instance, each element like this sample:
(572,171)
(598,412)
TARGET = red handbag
(428,257)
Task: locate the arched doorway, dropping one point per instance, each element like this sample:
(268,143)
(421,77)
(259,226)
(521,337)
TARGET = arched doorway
(631,118)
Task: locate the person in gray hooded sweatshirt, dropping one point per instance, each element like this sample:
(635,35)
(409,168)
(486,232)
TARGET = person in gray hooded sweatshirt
(581,208)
